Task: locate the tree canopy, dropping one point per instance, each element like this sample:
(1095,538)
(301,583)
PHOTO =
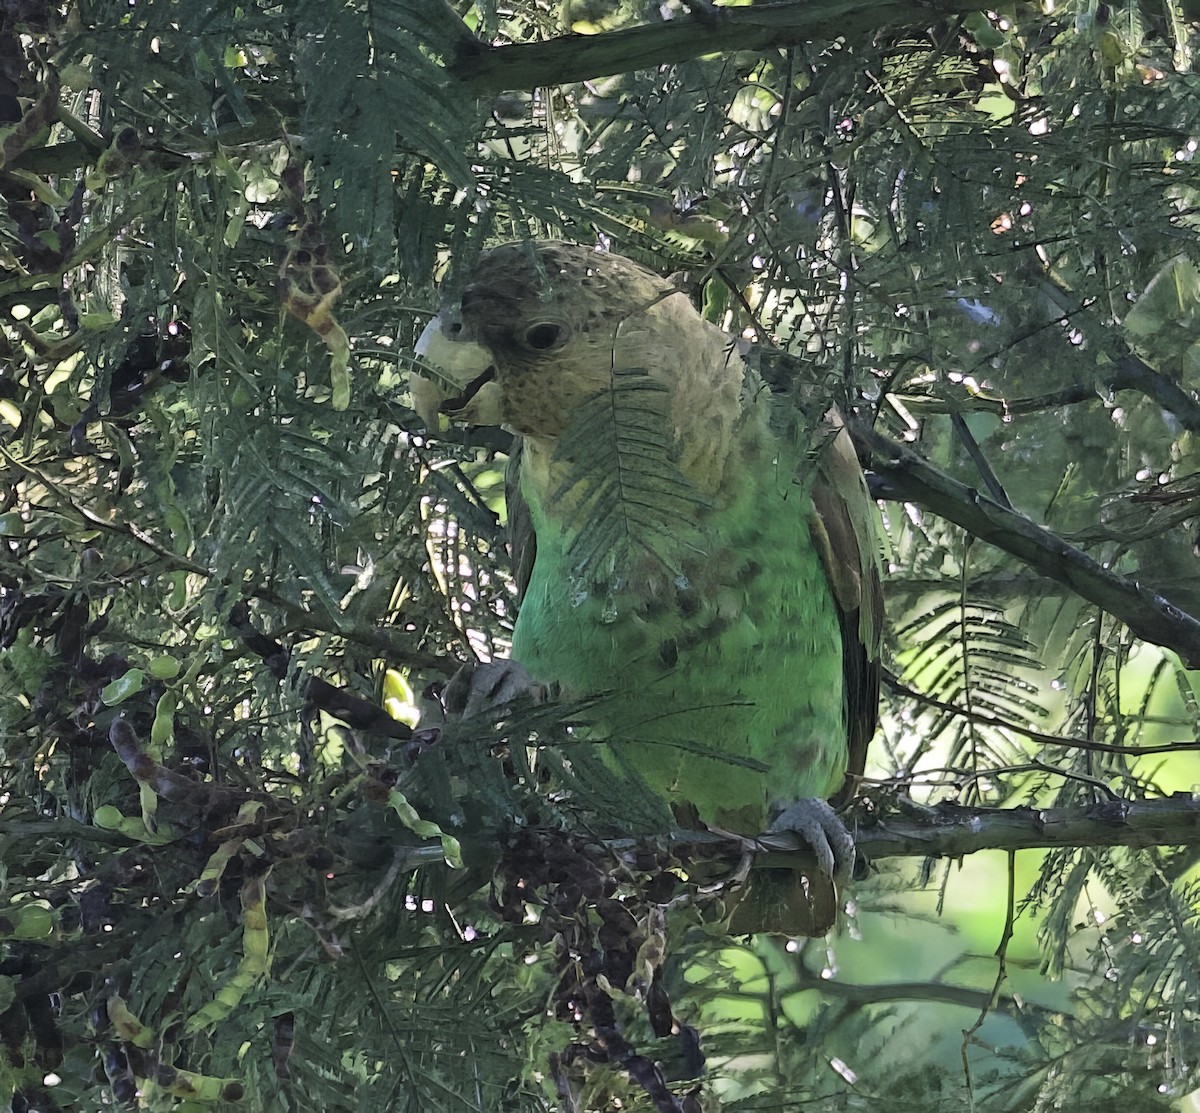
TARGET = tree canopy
(248,863)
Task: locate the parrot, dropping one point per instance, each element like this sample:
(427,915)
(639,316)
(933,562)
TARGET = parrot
(694,552)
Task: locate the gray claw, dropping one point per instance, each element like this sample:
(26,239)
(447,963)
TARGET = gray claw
(819,826)
(475,689)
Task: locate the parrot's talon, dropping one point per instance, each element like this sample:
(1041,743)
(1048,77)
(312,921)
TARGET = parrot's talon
(479,688)
(818,825)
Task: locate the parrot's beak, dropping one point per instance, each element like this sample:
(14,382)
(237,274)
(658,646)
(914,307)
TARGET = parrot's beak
(465,388)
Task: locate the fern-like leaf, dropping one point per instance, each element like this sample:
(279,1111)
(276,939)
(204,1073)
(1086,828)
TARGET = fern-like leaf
(626,502)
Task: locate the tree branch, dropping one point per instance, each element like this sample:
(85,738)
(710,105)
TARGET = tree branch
(1129,373)
(950,831)
(910,478)
(1133,373)
(485,70)
(940,831)
(860,995)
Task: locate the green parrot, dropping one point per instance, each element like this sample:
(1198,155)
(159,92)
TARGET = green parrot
(690,548)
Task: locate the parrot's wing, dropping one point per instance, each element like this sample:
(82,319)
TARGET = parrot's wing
(841,524)
(522,540)
(843,531)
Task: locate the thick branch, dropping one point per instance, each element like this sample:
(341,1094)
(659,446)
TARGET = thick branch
(487,69)
(950,831)
(910,478)
(942,831)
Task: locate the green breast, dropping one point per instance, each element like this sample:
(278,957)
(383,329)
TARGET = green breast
(731,654)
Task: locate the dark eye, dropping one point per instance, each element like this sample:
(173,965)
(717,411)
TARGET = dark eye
(545,335)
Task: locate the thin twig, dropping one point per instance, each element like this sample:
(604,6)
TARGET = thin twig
(1071,742)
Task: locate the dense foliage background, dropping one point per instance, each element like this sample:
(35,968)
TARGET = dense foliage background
(228,541)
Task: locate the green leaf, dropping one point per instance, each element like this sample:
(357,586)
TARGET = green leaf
(623,497)
(119,690)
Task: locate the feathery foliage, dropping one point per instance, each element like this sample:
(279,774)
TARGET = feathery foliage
(621,486)
(228,545)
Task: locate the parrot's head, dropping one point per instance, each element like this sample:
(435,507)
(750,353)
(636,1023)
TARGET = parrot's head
(536,332)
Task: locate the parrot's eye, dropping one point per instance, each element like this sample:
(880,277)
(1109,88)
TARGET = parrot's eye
(545,335)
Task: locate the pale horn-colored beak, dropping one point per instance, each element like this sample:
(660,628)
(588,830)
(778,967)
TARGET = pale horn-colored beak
(462,383)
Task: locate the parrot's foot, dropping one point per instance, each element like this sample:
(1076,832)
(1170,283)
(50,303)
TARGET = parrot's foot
(476,689)
(814,821)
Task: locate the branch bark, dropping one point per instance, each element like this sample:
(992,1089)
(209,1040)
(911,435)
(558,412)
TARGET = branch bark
(951,831)
(941,831)
(910,478)
(486,70)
